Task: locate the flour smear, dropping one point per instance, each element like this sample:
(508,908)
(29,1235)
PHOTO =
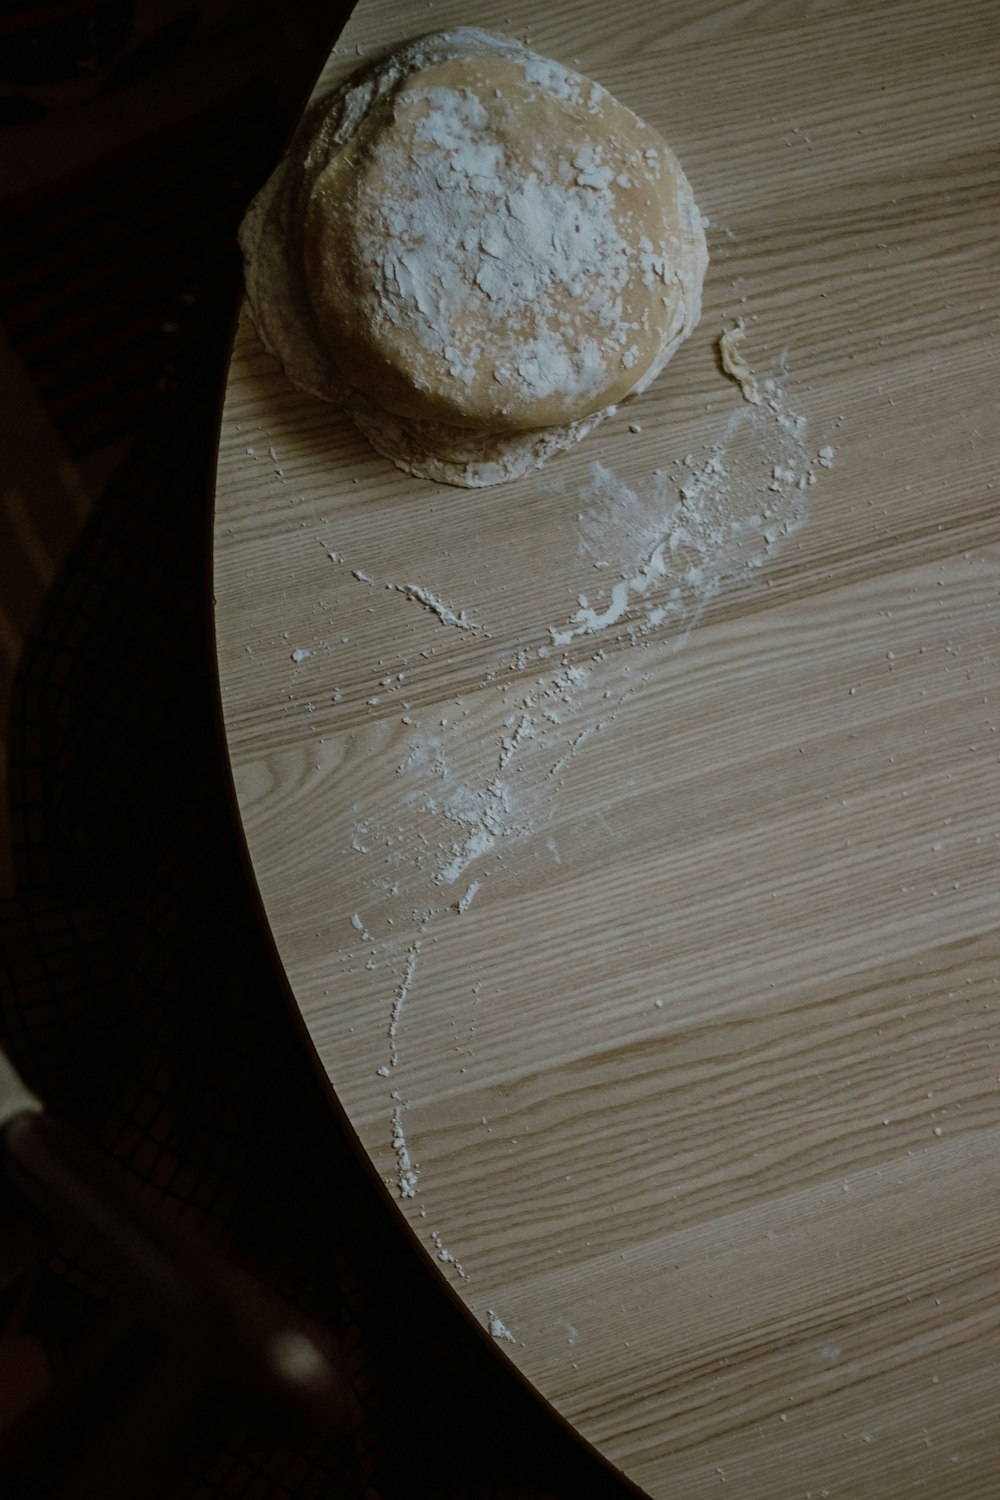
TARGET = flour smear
(674,540)
(471,787)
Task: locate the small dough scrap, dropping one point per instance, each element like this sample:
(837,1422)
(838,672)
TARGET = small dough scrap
(478,252)
(735,365)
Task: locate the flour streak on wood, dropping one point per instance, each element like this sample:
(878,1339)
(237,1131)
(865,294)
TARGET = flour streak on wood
(663,787)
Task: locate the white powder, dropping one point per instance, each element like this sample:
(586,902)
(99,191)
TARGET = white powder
(449,820)
(446,615)
(399,999)
(406,1170)
(460,225)
(485,815)
(480,782)
(499,1329)
(523,729)
(464,902)
(444,1255)
(675,539)
(553,79)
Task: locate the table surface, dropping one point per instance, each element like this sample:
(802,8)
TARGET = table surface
(650,943)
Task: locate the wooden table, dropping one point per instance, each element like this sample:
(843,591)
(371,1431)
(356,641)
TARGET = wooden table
(656,966)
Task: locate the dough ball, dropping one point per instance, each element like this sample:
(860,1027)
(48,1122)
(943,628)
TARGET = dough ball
(478,252)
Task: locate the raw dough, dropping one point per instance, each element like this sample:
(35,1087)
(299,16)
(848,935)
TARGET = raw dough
(735,364)
(478,252)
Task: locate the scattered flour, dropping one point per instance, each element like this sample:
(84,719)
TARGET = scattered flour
(499,1329)
(677,538)
(406,1177)
(429,601)
(473,816)
(399,999)
(464,902)
(445,1256)
(662,547)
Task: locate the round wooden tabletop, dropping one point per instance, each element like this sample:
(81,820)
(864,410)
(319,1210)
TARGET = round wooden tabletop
(628,833)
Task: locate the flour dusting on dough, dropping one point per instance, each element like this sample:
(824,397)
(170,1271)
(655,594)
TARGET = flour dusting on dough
(519,252)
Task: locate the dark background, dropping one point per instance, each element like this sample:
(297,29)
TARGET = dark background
(137,992)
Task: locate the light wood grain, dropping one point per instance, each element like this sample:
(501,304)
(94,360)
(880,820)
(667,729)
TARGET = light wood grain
(701,1088)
